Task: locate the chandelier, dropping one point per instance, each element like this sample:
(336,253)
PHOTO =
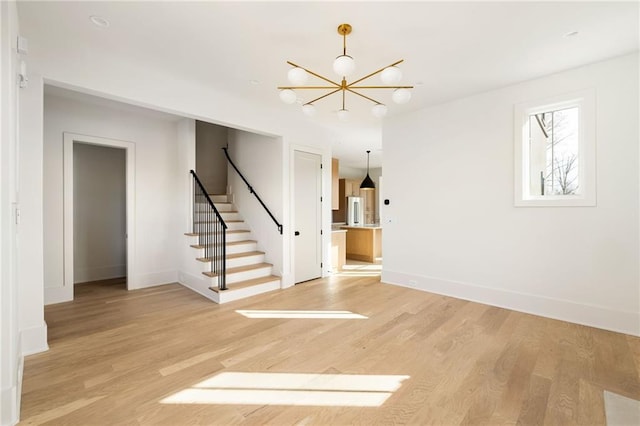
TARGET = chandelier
(344,66)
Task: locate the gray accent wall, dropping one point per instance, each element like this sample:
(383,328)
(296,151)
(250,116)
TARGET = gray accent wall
(211,164)
(99,210)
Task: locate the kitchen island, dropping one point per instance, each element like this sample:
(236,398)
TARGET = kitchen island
(364,243)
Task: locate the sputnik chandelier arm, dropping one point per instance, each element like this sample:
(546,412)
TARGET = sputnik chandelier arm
(343,66)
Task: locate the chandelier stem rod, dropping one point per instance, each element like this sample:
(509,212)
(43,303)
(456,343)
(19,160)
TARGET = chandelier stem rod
(314,74)
(344,43)
(375,72)
(307,87)
(343,93)
(379,87)
(360,94)
(323,96)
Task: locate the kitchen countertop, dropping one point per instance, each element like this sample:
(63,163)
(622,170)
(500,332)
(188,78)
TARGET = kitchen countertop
(375,226)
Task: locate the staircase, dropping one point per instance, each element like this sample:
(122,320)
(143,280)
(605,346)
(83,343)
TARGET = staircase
(247,273)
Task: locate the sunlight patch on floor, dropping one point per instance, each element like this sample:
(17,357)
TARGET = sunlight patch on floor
(352,390)
(262,313)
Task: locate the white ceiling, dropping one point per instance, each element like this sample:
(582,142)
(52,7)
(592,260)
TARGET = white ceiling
(451,49)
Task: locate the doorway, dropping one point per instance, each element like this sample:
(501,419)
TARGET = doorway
(98,211)
(307,194)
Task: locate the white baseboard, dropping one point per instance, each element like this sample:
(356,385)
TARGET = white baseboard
(565,310)
(197,284)
(103,273)
(9,406)
(54,295)
(154,279)
(34,340)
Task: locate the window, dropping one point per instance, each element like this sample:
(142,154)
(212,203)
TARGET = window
(555,151)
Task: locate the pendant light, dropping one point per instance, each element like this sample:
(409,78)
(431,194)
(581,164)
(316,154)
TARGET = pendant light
(367,183)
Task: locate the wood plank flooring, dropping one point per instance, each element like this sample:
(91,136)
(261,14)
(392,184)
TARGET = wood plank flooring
(116,355)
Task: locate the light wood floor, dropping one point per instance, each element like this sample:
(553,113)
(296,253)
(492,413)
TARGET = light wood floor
(116,354)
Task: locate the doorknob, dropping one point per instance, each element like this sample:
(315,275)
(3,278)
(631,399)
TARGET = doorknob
(296,233)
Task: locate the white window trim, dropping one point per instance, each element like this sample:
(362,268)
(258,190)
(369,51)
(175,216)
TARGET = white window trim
(586,102)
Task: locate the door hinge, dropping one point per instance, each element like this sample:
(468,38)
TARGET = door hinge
(320,199)
(321,232)
(321,264)
(320,165)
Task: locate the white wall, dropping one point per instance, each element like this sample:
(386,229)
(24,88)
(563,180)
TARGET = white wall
(10,350)
(259,158)
(157,185)
(211,164)
(454,228)
(99,213)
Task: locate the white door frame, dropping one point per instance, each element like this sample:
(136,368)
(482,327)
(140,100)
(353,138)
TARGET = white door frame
(69,140)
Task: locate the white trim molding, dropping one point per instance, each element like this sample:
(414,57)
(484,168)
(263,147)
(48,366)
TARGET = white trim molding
(66,292)
(585,101)
(565,310)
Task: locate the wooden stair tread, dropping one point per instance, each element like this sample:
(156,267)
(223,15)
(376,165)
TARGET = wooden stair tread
(233,256)
(237,243)
(229,231)
(248,283)
(226,221)
(244,254)
(239,269)
(232,243)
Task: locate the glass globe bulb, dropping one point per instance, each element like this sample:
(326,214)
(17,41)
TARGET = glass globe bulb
(297,76)
(391,75)
(343,114)
(288,96)
(401,96)
(344,65)
(309,110)
(379,110)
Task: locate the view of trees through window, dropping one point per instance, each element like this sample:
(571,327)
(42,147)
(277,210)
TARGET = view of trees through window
(553,155)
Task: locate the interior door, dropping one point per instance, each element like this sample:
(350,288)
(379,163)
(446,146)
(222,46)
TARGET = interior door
(308,216)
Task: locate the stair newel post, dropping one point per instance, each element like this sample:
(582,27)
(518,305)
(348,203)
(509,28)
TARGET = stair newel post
(223,255)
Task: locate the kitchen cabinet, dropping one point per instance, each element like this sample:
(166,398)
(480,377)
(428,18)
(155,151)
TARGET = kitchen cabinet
(364,243)
(338,249)
(335,188)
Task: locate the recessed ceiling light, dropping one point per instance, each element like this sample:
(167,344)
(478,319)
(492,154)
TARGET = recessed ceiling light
(99,21)
(572,34)
(254,82)
(418,83)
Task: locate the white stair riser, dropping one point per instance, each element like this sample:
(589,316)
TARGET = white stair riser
(241,248)
(236,262)
(230,226)
(237,225)
(222,207)
(202,216)
(239,236)
(230,295)
(231,249)
(249,275)
(245,260)
(219,198)
(231,237)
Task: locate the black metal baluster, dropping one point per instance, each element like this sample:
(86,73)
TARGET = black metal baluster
(211,230)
